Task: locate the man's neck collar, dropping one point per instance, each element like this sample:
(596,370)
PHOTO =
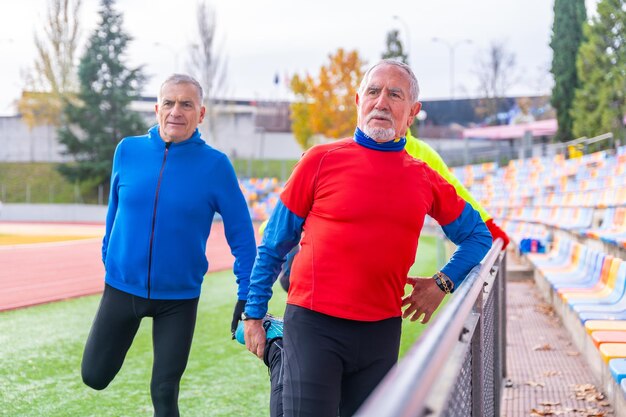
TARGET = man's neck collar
(393,145)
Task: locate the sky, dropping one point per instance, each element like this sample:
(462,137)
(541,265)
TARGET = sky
(262,38)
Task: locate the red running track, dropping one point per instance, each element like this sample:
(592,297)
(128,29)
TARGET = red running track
(45,272)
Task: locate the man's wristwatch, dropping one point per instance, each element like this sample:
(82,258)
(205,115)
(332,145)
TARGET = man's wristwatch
(443,282)
(246,317)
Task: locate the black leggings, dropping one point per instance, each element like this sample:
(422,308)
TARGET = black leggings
(276,364)
(114,329)
(331,365)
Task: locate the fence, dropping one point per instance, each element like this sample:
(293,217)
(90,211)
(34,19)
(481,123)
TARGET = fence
(41,193)
(458,365)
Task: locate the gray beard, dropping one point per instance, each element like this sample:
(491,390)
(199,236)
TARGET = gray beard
(380,134)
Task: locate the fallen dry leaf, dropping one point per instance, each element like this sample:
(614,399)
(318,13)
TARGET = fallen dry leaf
(584,388)
(595,413)
(588,393)
(594,397)
(546,309)
(545,346)
(549,403)
(535,384)
(572,353)
(551,373)
(535,412)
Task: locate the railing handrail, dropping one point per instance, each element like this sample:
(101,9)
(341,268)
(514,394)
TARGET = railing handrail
(396,395)
(582,140)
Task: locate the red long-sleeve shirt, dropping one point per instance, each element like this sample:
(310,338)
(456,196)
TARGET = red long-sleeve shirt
(363,210)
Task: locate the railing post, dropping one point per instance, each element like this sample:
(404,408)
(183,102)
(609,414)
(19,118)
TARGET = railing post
(499,370)
(478,379)
(502,313)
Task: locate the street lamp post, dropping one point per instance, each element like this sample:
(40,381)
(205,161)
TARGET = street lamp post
(408,38)
(452,48)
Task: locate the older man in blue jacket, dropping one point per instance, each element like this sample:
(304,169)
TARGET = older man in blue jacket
(166,187)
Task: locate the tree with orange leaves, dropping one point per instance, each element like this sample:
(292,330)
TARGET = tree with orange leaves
(324,106)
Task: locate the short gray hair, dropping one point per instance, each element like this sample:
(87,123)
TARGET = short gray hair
(183,79)
(414,89)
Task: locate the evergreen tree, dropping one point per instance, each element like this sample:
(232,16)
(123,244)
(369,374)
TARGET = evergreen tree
(100,116)
(395,50)
(600,102)
(567,35)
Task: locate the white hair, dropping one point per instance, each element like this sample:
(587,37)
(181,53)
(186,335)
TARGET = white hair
(183,79)
(414,89)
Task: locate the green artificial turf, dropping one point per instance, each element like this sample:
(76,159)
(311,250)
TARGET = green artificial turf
(41,349)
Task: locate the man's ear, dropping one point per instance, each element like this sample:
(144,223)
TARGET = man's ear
(356,99)
(202,112)
(415,109)
(156,109)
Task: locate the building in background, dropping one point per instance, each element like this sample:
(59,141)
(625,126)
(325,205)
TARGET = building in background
(261,130)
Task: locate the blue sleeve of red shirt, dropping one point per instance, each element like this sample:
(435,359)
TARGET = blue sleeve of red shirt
(473,241)
(281,234)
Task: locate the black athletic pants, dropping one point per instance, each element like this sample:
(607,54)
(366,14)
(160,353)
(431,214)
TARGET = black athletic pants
(114,329)
(275,363)
(331,365)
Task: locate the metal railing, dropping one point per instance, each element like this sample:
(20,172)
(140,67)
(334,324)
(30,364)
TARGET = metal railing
(583,144)
(458,365)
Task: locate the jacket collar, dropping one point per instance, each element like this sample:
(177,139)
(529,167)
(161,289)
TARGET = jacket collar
(155,137)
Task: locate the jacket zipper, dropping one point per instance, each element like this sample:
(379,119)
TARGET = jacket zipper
(154,212)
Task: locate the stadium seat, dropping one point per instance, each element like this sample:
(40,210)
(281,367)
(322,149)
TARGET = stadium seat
(588,271)
(614,302)
(610,351)
(608,336)
(618,369)
(602,288)
(576,261)
(586,316)
(595,325)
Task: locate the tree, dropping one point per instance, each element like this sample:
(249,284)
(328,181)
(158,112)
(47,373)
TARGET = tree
(495,72)
(567,35)
(599,103)
(324,106)
(207,64)
(93,124)
(395,50)
(53,77)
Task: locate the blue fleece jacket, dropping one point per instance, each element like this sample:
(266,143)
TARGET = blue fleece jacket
(162,203)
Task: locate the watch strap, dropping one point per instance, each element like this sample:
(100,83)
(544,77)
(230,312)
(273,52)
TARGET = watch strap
(443,282)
